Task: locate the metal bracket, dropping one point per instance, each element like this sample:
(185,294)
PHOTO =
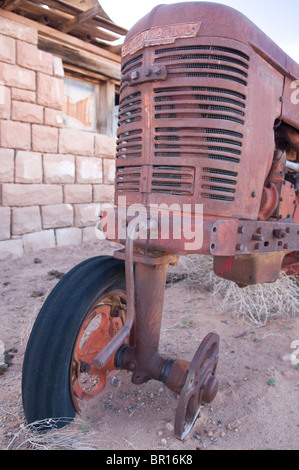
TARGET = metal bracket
(145,74)
(236,237)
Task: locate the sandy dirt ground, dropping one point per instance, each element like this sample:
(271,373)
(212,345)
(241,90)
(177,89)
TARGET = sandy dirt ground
(256,407)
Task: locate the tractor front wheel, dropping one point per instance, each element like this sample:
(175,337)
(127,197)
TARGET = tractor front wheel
(78,319)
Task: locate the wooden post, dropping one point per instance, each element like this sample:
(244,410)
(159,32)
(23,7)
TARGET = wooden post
(106,108)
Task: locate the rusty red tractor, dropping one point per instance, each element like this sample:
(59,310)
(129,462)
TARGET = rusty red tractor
(208,118)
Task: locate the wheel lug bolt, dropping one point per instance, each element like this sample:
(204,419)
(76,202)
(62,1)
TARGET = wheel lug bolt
(84,367)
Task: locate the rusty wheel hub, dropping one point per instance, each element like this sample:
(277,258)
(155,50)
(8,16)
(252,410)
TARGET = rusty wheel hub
(201,385)
(101,323)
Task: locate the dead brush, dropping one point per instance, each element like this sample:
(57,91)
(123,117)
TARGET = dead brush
(78,436)
(255,303)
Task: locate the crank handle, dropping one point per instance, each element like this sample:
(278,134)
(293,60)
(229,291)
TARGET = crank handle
(107,352)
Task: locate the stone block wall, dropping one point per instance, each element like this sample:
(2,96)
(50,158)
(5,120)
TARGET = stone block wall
(52,179)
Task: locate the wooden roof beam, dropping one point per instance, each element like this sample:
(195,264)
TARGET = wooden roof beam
(80,18)
(90,30)
(10,4)
(102,20)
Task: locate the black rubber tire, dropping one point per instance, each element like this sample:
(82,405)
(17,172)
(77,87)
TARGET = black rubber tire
(46,368)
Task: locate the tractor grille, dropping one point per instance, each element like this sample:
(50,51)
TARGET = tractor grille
(184,136)
(128,179)
(165,179)
(172,180)
(130,112)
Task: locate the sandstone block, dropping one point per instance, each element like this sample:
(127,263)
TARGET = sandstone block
(6,165)
(23,95)
(4,102)
(105,146)
(58,70)
(85,214)
(31,194)
(103,193)
(11,248)
(88,234)
(28,167)
(89,170)
(15,76)
(25,220)
(76,142)
(109,171)
(53,117)
(38,241)
(15,135)
(68,236)
(59,168)
(30,57)
(50,91)
(44,138)
(58,215)
(27,112)
(18,30)
(5,223)
(77,193)
(7,49)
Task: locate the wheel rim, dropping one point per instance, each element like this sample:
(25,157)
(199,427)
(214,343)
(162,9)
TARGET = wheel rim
(103,320)
(200,387)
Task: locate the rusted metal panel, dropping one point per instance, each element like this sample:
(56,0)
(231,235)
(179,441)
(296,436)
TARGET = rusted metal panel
(291,263)
(290,109)
(249,269)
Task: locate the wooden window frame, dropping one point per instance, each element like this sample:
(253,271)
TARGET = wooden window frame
(105,91)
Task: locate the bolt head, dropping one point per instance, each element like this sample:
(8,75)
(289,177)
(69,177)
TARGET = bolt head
(134,75)
(157,70)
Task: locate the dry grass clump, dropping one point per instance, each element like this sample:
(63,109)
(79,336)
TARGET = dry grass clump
(75,437)
(255,303)
(45,434)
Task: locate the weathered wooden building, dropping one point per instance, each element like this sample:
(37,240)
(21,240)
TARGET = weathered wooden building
(59,84)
